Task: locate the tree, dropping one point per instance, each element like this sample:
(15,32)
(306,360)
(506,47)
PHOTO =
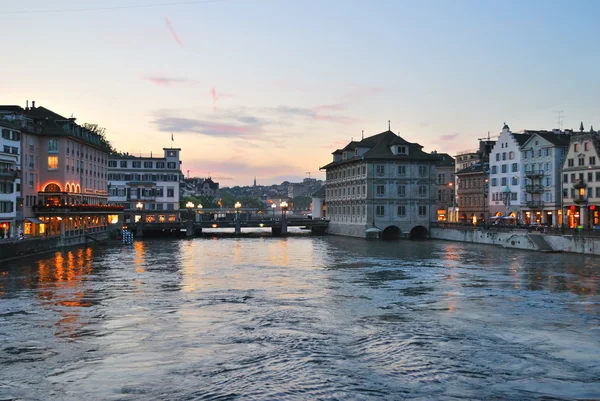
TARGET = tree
(101,132)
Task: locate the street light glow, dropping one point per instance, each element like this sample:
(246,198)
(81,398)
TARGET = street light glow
(237,205)
(139,205)
(189,205)
(200,206)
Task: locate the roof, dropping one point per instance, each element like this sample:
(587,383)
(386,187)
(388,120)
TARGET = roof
(320,192)
(379,148)
(444,159)
(473,169)
(554,138)
(521,138)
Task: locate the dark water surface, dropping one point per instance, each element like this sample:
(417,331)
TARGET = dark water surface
(302,318)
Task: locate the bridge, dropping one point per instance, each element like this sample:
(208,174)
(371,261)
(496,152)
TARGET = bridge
(193,221)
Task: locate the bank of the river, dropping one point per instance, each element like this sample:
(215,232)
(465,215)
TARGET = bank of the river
(520,239)
(10,249)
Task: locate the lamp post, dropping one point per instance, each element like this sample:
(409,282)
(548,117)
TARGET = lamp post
(453,216)
(485,181)
(238,228)
(284,207)
(273,206)
(140,229)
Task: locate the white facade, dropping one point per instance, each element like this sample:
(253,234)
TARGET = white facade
(506,174)
(152,181)
(581,180)
(10,181)
(542,157)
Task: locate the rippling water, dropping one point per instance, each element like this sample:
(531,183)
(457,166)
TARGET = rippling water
(299,318)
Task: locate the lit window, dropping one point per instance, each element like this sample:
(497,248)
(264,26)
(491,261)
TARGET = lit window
(52,162)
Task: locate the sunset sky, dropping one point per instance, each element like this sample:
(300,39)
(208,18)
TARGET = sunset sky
(269,88)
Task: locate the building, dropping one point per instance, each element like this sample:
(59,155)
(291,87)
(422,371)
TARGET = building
(146,182)
(382,185)
(542,155)
(505,196)
(63,174)
(581,179)
(10,178)
(201,187)
(318,204)
(445,204)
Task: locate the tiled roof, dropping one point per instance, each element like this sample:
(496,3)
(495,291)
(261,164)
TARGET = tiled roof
(521,138)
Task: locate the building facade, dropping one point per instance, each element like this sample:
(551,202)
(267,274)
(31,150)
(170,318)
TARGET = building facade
(581,180)
(383,185)
(542,155)
(10,178)
(147,183)
(506,176)
(445,199)
(64,174)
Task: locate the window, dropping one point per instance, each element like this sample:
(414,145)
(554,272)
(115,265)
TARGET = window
(592,160)
(170,192)
(586,146)
(136,164)
(380,211)
(494,169)
(597,175)
(590,177)
(503,155)
(515,167)
(6,207)
(401,170)
(123,164)
(147,164)
(511,155)
(422,190)
(401,211)
(52,145)
(441,179)
(402,150)
(503,181)
(112,163)
(494,182)
(515,181)
(570,163)
(581,161)
(422,210)
(572,177)
(380,190)
(513,196)
(497,157)
(422,170)
(379,170)
(171,165)
(52,162)
(505,168)
(597,192)
(576,147)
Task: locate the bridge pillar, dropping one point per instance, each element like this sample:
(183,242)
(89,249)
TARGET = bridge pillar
(139,230)
(283,227)
(189,228)
(276,231)
(238,224)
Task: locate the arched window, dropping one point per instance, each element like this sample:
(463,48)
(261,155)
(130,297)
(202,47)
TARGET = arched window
(52,188)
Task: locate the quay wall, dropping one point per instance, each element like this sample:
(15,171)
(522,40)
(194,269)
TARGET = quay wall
(520,239)
(14,248)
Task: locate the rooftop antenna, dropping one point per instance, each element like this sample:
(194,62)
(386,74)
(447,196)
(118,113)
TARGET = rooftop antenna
(389,125)
(188,174)
(559,119)
(363,134)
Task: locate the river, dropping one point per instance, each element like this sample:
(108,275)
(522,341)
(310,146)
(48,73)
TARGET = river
(299,318)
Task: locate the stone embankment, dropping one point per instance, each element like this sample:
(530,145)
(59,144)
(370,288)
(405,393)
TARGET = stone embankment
(521,239)
(10,249)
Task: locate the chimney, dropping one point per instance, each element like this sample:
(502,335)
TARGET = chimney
(33,104)
(27,105)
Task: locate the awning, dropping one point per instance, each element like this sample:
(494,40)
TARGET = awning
(372,230)
(34,220)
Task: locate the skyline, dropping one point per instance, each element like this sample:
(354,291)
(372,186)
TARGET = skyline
(270,89)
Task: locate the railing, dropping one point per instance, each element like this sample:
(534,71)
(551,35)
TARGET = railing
(9,173)
(534,189)
(534,204)
(77,209)
(534,173)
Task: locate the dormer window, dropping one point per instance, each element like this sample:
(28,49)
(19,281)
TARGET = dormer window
(402,150)
(356,152)
(344,157)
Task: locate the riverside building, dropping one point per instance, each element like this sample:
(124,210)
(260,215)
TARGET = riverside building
(10,178)
(63,174)
(146,183)
(383,186)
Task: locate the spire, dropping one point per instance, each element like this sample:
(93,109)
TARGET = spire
(254,180)
(591,128)
(581,127)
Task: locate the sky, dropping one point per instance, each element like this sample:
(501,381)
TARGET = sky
(269,88)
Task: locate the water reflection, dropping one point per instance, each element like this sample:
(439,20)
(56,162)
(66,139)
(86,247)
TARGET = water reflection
(299,318)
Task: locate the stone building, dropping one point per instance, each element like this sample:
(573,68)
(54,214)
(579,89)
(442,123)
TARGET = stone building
(382,185)
(581,179)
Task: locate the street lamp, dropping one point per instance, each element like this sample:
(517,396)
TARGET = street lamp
(199,206)
(453,216)
(237,205)
(189,205)
(273,206)
(139,205)
(284,207)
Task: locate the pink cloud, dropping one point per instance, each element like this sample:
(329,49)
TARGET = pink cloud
(449,137)
(173,33)
(165,81)
(213,93)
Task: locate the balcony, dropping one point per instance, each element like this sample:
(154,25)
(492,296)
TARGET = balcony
(534,173)
(77,209)
(10,174)
(534,204)
(534,189)
(580,201)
